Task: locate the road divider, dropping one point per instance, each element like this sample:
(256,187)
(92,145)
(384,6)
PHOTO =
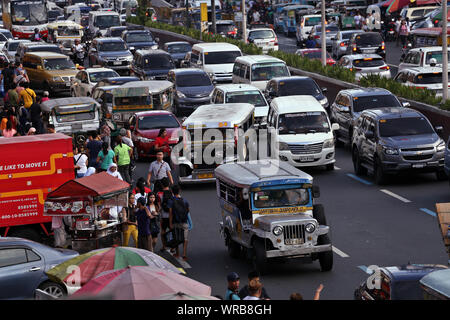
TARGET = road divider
(359,179)
(395,195)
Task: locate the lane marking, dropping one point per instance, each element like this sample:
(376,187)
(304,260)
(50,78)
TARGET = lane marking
(365,269)
(339,252)
(359,179)
(395,195)
(431,213)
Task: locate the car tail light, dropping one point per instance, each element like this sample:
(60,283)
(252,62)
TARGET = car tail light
(384,68)
(382,46)
(420,87)
(343,44)
(355,69)
(391,29)
(316,37)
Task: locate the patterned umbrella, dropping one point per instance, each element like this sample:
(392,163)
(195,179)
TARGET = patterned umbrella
(141,283)
(79,270)
(183,296)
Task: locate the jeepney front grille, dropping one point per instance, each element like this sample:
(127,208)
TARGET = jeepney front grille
(294,234)
(306,148)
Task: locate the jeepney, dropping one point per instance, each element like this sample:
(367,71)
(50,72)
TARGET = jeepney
(214,134)
(64,33)
(428,37)
(72,116)
(268,211)
(135,96)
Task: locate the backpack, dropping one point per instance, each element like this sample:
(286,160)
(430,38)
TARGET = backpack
(179,211)
(167,195)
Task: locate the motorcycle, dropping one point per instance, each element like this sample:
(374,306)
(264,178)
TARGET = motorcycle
(389,31)
(79,56)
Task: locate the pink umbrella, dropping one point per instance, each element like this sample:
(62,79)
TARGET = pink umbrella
(141,283)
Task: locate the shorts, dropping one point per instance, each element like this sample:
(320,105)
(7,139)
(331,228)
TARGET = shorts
(165,224)
(185,228)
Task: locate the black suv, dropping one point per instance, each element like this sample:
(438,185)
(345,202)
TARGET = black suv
(152,64)
(111,53)
(295,85)
(349,104)
(367,42)
(139,39)
(393,140)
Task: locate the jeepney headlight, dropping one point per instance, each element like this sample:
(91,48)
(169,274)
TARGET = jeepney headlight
(310,227)
(328,143)
(278,230)
(180,94)
(116,116)
(57,79)
(441,146)
(129,58)
(283,146)
(211,75)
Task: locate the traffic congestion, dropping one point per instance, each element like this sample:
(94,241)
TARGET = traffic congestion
(130,153)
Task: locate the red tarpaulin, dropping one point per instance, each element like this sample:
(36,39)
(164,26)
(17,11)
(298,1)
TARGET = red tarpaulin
(428,2)
(387,3)
(397,5)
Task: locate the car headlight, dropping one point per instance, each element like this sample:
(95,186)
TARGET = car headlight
(145,140)
(129,58)
(155,46)
(441,146)
(211,75)
(328,143)
(310,227)
(149,78)
(324,101)
(57,79)
(390,151)
(116,116)
(283,146)
(278,230)
(180,94)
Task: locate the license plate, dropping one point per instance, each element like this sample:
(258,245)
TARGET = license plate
(369,50)
(205,175)
(67,84)
(77,126)
(117,63)
(293,241)
(418,165)
(306,159)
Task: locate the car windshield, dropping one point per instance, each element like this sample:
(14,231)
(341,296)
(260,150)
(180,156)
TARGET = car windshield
(112,46)
(107,21)
(221,57)
(117,32)
(314,54)
(280,198)
(224,28)
(76,117)
(404,127)
(429,78)
(58,64)
(253,97)
(368,63)
(312,21)
(303,122)
(179,48)
(436,55)
(193,80)
(368,39)
(44,48)
(139,37)
(7,34)
(68,32)
(373,102)
(96,76)
(12,46)
(300,87)
(267,71)
(261,34)
(158,62)
(132,101)
(33,12)
(157,122)
(347,35)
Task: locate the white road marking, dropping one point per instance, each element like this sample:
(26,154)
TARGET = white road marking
(395,195)
(337,168)
(340,253)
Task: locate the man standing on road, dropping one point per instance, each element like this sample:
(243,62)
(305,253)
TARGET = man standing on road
(126,138)
(178,217)
(233,287)
(158,170)
(124,153)
(164,196)
(244,292)
(94,146)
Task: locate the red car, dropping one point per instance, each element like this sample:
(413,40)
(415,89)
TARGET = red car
(315,54)
(145,127)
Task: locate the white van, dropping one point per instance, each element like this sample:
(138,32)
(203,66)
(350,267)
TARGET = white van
(102,20)
(258,70)
(303,131)
(216,59)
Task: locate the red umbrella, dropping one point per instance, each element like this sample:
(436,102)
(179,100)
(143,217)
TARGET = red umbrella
(141,283)
(397,5)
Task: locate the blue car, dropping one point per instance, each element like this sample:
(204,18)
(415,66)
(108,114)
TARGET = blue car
(152,64)
(110,53)
(177,50)
(23,264)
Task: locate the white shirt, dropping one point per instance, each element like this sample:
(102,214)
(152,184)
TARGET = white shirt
(80,160)
(251,298)
(256,16)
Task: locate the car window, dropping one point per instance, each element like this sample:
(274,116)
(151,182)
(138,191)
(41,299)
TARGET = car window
(220,97)
(415,58)
(242,71)
(31,256)
(236,69)
(11,257)
(377,101)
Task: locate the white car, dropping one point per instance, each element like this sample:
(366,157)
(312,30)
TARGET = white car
(365,64)
(422,78)
(305,26)
(86,79)
(264,38)
(5,35)
(421,57)
(10,48)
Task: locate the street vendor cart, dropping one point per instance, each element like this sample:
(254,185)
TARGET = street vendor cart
(93,204)
(443,215)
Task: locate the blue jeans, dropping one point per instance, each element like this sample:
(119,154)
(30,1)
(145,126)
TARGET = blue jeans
(80,175)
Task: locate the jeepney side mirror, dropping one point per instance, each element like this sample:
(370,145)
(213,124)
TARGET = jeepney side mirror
(324,90)
(406,104)
(245,194)
(439,129)
(157,40)
(316,191)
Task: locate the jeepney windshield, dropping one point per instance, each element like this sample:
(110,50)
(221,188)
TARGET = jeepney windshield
(106,21)
(132,101)
(280,198)
(70,117)
(68,32)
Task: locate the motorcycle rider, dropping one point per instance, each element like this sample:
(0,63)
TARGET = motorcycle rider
(37,36)
(78,52)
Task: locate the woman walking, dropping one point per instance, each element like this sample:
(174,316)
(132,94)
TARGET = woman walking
(403,32)
(81,162)
(155,208)
(123,152)
(143,216)
(105,157)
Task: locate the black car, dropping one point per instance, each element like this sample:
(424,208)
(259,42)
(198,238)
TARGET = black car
(115,31)
(110,53)
(367,42)
(295,85)
(139,39)
(177,50)
(349,104)
(152,64)
(193,88)
(114,81)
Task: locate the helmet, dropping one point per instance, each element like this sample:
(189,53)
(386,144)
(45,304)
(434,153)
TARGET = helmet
(433,62)
(36,30)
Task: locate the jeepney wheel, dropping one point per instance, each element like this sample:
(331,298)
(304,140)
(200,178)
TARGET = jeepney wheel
(325,257)
(260,263)
(234,249)
(319,214)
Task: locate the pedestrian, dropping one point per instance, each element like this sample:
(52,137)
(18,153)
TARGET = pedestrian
(155,209)
(162,144)
(126,138)
(253,275)
(36,117)
(105,134)
(398,23)
(59,232)
(24,123)
(27,95)
(20,74)
(254,289)
(123,157)
(104,158)
(45,96)
(13,96)
(112,171)
(256,16)
(93,147)
(130,222)
(298,296)
(403,33)
(158,170)
(311,42)
(81,162)
(178,217)
(37,36)
(233,287)
(143,216)
(164,196)
(7,76)
(358,18)
(9,131)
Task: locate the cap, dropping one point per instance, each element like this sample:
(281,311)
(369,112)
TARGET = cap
(123,132)
(141,200)
(46,94)
(233,276)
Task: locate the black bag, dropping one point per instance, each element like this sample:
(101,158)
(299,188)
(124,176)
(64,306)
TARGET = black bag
(179,211)
(174,237)
(154,225)
(167,195)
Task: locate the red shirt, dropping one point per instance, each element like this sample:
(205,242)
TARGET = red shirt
(147,190)
(163,142)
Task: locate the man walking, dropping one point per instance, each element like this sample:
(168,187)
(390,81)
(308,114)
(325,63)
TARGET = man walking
(158,170)
(93,147)
(164,196)
(244,292)
(233,287)
(178,217)
(124,153)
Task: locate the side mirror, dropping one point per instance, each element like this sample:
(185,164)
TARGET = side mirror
(157,40)
(369,135)
(316,191)
(335,126)
(439,129)
(324,90)
(406,104)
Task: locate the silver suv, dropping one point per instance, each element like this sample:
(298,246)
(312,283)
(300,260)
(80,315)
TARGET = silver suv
(392,140)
